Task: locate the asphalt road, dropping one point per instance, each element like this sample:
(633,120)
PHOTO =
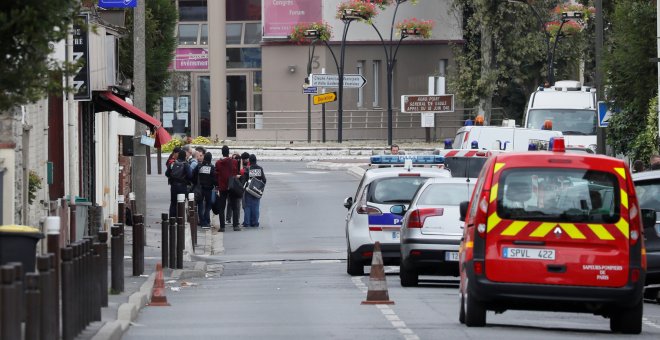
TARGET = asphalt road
(287,280)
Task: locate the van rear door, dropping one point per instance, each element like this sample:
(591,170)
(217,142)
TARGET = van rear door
(561,226)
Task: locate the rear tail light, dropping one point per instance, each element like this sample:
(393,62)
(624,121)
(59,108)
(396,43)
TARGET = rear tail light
(481,215)
(367,254)
(415,253)
(478,267)
(369,210)
(417,217)
(409,174)
(635,220)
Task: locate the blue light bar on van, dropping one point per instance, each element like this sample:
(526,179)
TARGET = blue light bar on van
(416,159)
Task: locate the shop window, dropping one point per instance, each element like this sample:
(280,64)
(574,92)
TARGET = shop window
(204,36)
(192,10)
(188,34)
(234,32)
(243,58)
(243,10)
(252,33)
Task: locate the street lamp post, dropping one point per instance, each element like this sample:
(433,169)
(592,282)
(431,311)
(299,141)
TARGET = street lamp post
(347,17)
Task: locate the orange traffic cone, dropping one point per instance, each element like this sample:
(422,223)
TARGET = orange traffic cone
(158,297)
(377,293)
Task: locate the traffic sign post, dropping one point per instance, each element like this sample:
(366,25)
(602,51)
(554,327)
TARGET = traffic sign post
(310,90)
(332,80)
(325,98)
(604,114)
(425,103)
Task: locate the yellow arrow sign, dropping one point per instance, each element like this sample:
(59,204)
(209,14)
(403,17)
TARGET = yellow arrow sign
(325,98)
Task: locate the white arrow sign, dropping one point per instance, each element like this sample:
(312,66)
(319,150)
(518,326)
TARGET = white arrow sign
(332,80)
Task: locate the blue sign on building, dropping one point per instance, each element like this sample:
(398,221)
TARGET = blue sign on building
(117,3)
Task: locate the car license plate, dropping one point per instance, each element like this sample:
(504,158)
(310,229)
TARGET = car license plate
(395,235)
(451,256)
(528,253)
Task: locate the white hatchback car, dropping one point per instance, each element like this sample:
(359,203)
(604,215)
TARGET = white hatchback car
(431,230)
(369,218)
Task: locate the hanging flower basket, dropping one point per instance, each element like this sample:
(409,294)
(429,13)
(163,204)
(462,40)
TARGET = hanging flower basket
(301,32)
(570,28)
(587,12)
(416,27)
(356,9)
(381,3)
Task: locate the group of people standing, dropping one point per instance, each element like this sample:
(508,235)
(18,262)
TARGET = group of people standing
(217,186)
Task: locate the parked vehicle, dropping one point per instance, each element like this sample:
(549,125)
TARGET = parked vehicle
(570,108)
(369,218)
(647,185)
(431,230)
(554,231)
(502,138)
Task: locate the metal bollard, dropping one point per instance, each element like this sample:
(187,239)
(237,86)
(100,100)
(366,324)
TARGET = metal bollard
(10,325)
(164,239)
(192,217)
(121,209)
(77,294)
(180,242)
(52,225)
(103,242)
(32,308)
(20,296)
(88,270)
(138,245)
(133,204)
(49,329)
(96,281)
(68,293)
(116,261)
(172,247)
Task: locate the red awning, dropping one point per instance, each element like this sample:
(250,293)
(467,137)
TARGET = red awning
(117,104)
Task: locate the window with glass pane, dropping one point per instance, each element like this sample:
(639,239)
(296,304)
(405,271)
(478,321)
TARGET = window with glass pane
(244,10)
(252,33)
(234,32)
(188,34)
(192,10)
(243,58)
(256,91)
(204,36)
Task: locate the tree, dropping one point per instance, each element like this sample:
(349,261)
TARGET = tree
(631,79)
(160,43)
(27,30)
(518,53)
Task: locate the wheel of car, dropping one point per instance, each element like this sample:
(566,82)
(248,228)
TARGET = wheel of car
(461,311)
(353,268)
(475,311)
(409,277)
(628,320)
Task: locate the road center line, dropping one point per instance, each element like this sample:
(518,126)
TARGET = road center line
(389,314)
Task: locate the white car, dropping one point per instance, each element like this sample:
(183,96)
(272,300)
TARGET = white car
(369,218)
(431,230)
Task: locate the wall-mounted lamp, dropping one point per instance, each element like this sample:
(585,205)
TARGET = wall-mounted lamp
(292,68)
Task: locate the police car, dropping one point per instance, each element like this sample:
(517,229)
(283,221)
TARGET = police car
(395,181)
(553,231)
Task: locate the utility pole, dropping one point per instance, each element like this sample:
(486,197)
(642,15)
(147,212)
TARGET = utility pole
(139,164)
(600,132)
(487,51)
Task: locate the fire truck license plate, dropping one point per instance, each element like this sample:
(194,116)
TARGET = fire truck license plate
(528,253)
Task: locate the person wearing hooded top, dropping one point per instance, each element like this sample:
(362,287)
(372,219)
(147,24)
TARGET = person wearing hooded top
(225,168)
(205,177)
(251,203)
(179,175)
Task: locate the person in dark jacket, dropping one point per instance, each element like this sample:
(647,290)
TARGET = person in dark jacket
(251,203)
(225,168)
(204,177)
(179,175)
(173,156)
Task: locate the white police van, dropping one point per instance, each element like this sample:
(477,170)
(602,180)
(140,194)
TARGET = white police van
(394,181)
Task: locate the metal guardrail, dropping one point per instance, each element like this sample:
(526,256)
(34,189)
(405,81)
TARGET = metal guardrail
(353,119)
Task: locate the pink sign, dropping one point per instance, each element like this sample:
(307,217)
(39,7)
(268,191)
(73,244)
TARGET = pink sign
(191,59)
(280,16)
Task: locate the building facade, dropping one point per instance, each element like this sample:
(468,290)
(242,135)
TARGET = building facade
(238,76)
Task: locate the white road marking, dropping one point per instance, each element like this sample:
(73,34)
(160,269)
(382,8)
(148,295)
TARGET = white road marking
(389,314)
(262,264)
(279,173)
(312,172)
(650,323)
(325,261)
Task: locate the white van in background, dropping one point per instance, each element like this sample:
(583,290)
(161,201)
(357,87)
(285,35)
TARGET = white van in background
(500,137)
(570,107)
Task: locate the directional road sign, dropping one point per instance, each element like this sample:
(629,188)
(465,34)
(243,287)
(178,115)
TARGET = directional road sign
(117,3)
(332,80)
(325,98)
(424,103)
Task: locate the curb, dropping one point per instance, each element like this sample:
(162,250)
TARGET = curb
(331,166)
(199,271)
(127,312)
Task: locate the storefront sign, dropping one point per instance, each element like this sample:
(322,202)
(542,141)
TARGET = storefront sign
(279,16)
(191,59)
(81,81)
